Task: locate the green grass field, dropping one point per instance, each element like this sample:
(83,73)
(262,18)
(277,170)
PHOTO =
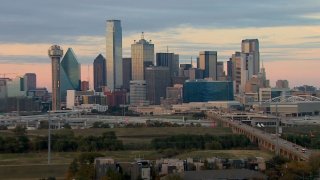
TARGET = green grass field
(140,135)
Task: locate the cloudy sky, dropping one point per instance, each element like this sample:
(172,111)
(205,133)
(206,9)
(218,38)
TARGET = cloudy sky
(288,31)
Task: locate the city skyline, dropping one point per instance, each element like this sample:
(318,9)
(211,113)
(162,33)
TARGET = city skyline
(287,43)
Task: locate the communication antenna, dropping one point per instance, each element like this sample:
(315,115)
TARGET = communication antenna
(142,35)
(167,49)
(191,62)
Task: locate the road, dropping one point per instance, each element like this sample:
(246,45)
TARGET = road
(282,144)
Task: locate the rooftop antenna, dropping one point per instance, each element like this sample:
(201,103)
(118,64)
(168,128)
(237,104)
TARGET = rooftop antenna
(142,35)
(262,63)
(191,62)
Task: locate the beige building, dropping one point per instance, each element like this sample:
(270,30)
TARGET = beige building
(142,54)
(234,70)
(208,63)
(282,84)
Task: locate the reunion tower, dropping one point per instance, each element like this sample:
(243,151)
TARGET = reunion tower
(55,52)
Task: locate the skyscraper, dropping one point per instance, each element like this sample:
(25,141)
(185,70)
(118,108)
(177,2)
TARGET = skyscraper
(142,54)
(234,70)
(208,63)
(99,73)
(126,73)
(55,52)
(169,60)
(157,79)
(70,74)
(114,54)
(251,47)
(30,81)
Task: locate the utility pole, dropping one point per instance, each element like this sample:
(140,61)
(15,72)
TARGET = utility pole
(49,138)
(277,131)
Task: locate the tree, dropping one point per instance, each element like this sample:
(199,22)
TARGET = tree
(83,167)
(20,130)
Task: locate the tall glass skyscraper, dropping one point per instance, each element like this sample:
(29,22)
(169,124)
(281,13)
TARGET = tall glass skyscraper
(142,54)
(114,54)
(70,74)
(99,73)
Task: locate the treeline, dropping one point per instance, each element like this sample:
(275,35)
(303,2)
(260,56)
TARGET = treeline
(202,142)
(312,142)
(63,142)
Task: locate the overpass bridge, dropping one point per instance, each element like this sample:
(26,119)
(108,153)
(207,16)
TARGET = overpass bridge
(265,140)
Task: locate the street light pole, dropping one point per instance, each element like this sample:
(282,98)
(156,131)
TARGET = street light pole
(49,138)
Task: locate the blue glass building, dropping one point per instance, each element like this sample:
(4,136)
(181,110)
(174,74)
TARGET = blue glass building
(70,74)
(200,90)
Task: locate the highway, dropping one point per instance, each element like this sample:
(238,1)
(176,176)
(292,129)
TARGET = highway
(283,145)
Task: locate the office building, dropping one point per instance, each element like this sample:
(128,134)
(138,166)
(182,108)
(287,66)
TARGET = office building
(221,75)
(195,73)
(234,70)
(70,74)
(266,94)
(207,90)
(55,52)
(251,46)
(185,66)
(169,60)
(127,74)
(116,98)
(247,68)
(16,87)
(175,92)
(208,63)
(157,79)
(138,92)
(84,85)
(30,81)
(99,73)
(282,84)
(114,54)
(142,54)
(4,88)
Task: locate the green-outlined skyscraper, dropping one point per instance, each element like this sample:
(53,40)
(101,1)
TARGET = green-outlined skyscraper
(70,74)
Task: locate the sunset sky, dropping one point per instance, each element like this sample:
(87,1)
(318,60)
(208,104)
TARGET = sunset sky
(288,32)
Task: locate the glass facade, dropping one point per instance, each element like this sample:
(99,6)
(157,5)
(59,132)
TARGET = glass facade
(99,73)
(114,54)
(70,76)
(204,91)
(170,60)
